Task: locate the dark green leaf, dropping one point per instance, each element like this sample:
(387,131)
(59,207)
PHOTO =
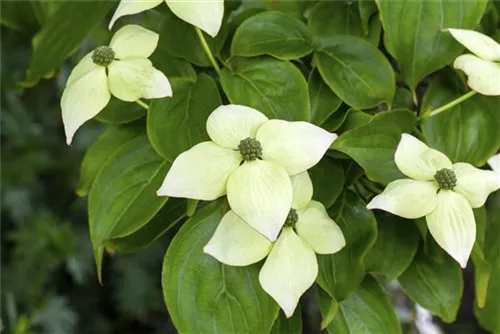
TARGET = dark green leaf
(335,121)
(328,181)
(123,196)
(467,132)
(403,99)
(120,112)
(373,145)
(356,71)
(178,123)
(324,102)
(62,35)
(18,15)
(172,67)
(435,286)
(328,307)
(272,33)
(205,296)
(396,245)
(413,33)
(368,311)
(274,87)
(104,148)
(367,8)
(341,273)
(293,325)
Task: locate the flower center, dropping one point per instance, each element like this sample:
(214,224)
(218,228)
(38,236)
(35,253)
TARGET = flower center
(446,178)
(292,218)
(103,55)
(250,149)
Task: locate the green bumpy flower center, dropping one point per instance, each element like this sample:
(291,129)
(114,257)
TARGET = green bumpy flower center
(250,149)
(103,55)
(446,178)
(292,218)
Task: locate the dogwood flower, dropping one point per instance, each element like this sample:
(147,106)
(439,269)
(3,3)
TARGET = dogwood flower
(482,68)
(259,190)
(291,266)
(121,69)
(443,192)
(494,163)
(204,14)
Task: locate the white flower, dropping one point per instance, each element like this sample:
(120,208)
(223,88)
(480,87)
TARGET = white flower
(443,192)
(494,163)
(259,190)
(291,267)
(482,68)
(204,14)
(121,69)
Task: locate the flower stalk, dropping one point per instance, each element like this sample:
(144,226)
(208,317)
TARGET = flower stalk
(205,46)
(447,106)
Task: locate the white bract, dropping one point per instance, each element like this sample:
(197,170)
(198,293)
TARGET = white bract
(483,67)
(204,14)
(122,69)
(443,192)
(494,163)
(291,266)
(259,190)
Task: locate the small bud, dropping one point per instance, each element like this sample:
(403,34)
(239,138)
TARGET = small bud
(292,218)
(446,179)
(250,149)
(103,55)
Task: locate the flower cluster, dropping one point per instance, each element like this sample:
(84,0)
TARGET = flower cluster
(443,192)
(261,165)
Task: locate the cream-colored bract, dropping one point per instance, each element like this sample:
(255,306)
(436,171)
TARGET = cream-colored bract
(494,163)
(291,267)
(130,76)
(204,14)
(258,191)
(448,212)
(482,68)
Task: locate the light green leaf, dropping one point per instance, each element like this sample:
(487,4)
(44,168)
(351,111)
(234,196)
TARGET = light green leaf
(123,196)
(396,245)
(356,71)
(368,311)
(482,275)
(341,273)
(435,286)
(324,102)
(103,149)
(413,33)
(373,144)
(205,296)
(274,87)
(467,132)
(272,33)
(367,8)
(178,123)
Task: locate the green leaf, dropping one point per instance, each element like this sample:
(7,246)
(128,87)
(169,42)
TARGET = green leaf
(396,245)
(367,8)
(180,40)
(324,102)
(293,325)
(329,19)
(173,212)
(373,144)
(274,87)
(120,112)
(174,68)
(435,286)
(178,123)
(272,33)
(356,71)
(488,315)
(205,296)
(328,181)
(368,311)
(341,273)
(467,132)
(482,275)
(123,196)
(337,119)
(67,28)
(413,33)
(403,99)
(18,15)
(328,307)
(103,149)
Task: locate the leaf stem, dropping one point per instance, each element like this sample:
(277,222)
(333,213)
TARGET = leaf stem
(448,105)
(207,50)
(142,104)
